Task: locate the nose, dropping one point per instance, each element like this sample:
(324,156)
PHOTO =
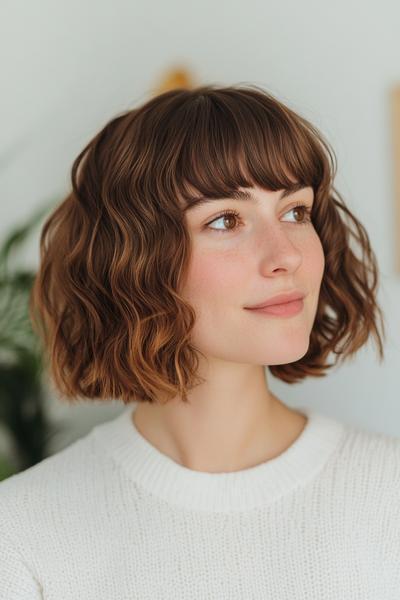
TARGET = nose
(277,252)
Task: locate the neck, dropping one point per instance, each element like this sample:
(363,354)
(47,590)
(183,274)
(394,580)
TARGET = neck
(212,438)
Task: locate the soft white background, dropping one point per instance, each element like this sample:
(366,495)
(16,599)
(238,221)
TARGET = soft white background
(68,67)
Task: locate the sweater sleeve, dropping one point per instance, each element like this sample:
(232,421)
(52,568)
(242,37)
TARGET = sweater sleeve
(17,581)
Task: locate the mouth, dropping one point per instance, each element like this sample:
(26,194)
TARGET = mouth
(284,309)
(282,298)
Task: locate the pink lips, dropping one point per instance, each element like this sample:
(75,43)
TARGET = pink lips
(279,299)
(286,309)
(282,305)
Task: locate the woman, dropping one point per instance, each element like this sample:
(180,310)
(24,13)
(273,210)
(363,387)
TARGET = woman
(184,215)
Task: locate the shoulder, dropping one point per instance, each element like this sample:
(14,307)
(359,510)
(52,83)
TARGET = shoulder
(380,452)
(367,469)
(356,451)
(50,485)
(38,508)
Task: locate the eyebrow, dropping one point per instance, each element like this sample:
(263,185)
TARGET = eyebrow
(242,195)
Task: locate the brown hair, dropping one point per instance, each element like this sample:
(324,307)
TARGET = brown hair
(115,252)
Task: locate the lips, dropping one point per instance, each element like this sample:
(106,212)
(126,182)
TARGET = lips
(279,299)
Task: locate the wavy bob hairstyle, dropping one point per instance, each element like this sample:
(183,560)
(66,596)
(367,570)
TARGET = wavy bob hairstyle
(114,254)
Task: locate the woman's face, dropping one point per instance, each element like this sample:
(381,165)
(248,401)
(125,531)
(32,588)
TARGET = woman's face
(241,261)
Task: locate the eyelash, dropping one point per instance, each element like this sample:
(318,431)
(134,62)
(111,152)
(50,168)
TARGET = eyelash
(234,213)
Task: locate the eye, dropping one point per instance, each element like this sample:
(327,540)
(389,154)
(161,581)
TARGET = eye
(234,215)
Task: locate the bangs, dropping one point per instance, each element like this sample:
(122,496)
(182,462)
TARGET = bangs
(217,141)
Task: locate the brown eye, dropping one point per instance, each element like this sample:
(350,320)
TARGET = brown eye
(228,216)
(306,214)
(299,209)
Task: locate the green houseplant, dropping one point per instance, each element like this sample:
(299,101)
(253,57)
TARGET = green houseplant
(22,392)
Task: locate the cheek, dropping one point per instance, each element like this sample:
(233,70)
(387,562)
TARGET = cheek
(213,278)
(314,261)
(312,273)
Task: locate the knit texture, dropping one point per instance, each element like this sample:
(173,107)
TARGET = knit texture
(111,517)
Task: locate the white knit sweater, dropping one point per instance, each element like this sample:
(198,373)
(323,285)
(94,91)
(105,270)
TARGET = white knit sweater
(111,517)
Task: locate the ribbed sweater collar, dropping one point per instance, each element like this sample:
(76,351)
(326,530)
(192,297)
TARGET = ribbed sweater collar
(220,492)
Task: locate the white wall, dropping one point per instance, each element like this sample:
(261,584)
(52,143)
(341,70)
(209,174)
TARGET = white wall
(68,67)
